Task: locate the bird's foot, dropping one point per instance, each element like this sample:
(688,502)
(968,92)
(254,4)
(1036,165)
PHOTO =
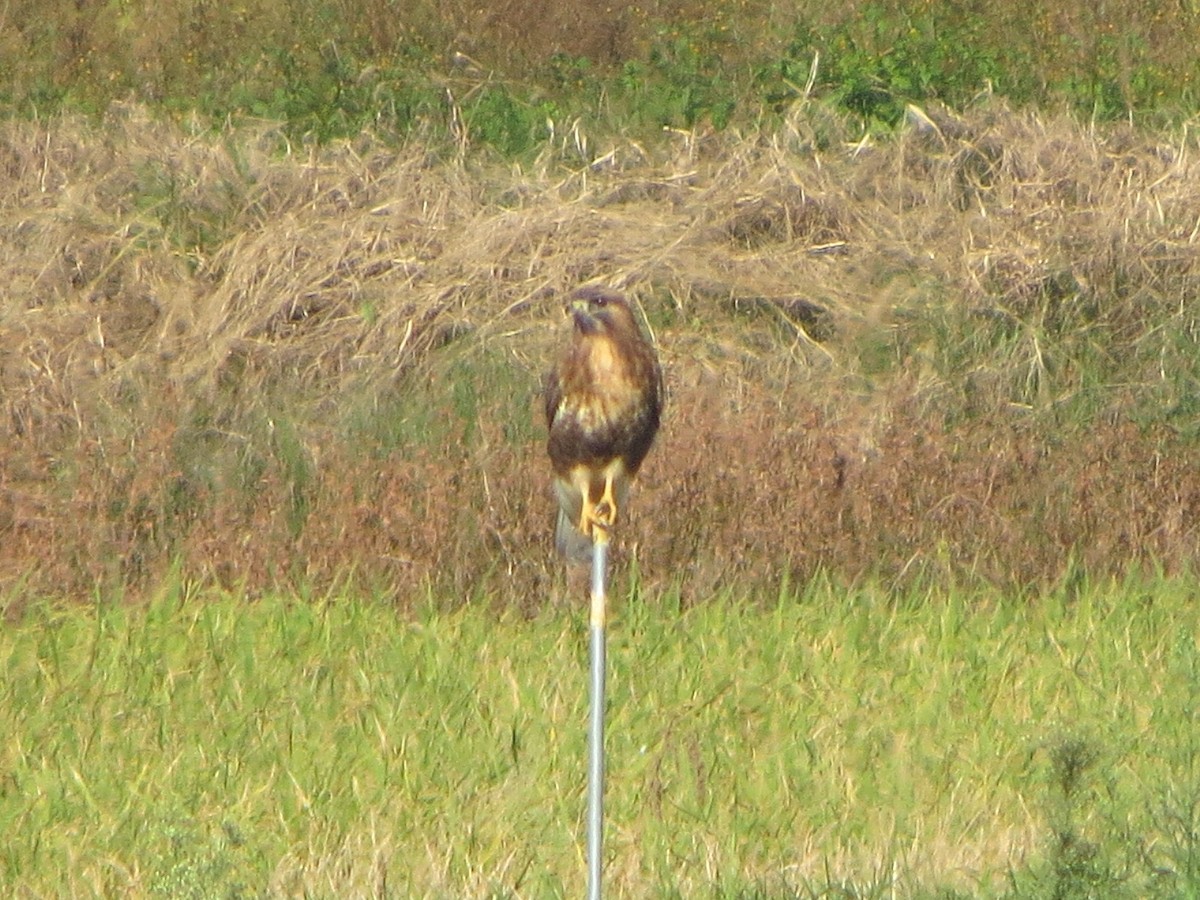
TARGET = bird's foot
(605,512)
(597,519)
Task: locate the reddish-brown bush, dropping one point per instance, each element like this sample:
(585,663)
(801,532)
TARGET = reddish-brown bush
(962,353)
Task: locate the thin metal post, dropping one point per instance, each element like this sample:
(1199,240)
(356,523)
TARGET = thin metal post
(599,625)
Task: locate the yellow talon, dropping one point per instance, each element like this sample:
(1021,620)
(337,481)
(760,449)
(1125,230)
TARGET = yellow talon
(600,515)
(605,512)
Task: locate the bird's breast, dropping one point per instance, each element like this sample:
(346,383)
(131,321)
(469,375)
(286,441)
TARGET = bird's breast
(606,405)
(604,390)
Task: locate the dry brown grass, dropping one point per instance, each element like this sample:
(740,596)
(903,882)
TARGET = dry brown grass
(265,363)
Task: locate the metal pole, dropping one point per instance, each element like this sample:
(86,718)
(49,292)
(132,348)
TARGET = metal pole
(599,624)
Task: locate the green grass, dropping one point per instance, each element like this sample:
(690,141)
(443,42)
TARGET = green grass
(330,70)
(930,744)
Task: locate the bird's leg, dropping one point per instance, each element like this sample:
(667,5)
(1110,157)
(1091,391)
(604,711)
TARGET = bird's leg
(605,512)
(587,513)
(600,515)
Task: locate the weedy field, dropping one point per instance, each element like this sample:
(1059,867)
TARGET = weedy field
(331,68)
(969,350)
(825,741)
(907,585)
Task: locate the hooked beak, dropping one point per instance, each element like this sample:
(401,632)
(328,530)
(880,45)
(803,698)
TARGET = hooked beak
(581,312)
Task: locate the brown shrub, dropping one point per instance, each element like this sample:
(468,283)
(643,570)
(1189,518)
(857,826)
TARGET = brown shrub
(334,377)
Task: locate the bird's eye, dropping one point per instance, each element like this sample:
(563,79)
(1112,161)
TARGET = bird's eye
(600,301)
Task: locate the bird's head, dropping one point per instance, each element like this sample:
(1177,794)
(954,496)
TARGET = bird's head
(597,310)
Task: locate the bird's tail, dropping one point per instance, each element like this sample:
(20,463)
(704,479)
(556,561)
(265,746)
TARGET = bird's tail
(570,541)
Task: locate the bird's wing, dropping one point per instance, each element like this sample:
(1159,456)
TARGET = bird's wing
(552,394)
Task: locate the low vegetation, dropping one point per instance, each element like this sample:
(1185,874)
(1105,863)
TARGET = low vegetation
(328,69)
(832,741)
(967,351)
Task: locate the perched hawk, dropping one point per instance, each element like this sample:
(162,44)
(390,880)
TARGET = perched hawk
(603,401)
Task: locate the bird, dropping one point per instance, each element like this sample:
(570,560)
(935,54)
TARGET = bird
(604,400)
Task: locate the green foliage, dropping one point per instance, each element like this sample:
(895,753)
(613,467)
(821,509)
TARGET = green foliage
(888,54)
(327,95)
(188,863)
(876,62)
(511,122)
(684,83)
(680,83)
(329,71)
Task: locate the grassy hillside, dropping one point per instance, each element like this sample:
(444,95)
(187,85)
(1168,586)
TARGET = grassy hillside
(856,743)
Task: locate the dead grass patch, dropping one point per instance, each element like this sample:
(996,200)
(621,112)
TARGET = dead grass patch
(965,351)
